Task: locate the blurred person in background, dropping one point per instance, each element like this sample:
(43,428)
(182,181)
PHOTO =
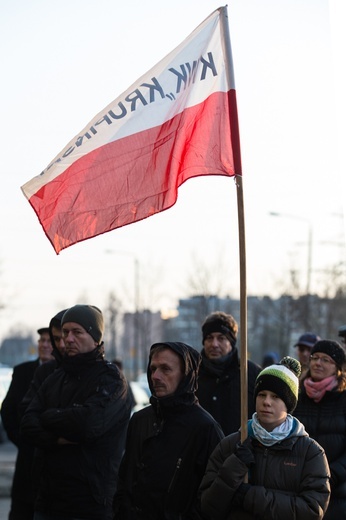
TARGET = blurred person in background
(219,375)
(342,334)
(287,471)
(322,409)
(168,442)
(22,497)
(270,358)
(303,347)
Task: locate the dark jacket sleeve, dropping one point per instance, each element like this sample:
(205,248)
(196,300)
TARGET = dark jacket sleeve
(9,413)
(40,374)
(223,476)
(10,409)
(109,405)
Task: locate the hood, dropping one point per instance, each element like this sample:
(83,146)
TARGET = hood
(188,385)
(56,322)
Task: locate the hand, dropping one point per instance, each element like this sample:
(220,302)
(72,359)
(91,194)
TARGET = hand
(62,441)
(239,495)
(244,452)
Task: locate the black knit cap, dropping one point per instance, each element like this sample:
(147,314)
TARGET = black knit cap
(89,317)
(333,349)
(221,322)
(281,379)
(42,330)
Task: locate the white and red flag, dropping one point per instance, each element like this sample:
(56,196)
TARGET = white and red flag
(178,121)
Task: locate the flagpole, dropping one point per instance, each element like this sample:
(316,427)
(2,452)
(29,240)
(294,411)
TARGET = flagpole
(241,223)
(243,308)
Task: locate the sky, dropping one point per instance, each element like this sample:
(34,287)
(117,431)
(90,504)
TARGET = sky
(64,61)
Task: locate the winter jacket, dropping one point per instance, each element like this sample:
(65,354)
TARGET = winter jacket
(21,491)
(85,402)
(326,423)
(219,389)
(288,480)
(167,450)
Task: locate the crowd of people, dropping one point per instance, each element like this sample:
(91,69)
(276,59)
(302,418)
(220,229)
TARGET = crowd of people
(84,455)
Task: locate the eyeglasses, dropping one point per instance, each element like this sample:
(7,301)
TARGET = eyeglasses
(324,360)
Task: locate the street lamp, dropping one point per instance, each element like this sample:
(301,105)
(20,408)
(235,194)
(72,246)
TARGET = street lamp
(309,242)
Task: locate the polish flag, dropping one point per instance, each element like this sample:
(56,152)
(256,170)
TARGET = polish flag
(178,121)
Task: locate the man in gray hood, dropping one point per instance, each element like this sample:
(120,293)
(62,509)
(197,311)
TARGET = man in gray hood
(168,443)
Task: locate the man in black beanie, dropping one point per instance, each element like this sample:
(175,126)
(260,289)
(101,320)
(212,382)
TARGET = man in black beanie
(79,418)
(219,375)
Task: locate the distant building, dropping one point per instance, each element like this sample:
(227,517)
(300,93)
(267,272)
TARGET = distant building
(186,326)
(140,331)
(17,349)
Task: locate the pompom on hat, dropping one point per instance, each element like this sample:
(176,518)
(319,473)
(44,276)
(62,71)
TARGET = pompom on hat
(282,380)
(89,317)
(333,349)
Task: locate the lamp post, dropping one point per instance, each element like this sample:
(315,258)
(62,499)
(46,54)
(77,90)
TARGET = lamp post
(309,243)
(136,346)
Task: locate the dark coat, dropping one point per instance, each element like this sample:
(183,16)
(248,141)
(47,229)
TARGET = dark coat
(288,480)
(167,450)
(45,369)
(326,423)
(22,490)
(85,402)
(10,409)
(219,390)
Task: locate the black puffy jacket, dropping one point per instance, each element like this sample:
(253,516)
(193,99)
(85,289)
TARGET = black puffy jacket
(87,404)
(326,423)
(289,480)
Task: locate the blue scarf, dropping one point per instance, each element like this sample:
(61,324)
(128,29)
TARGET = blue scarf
(269,438)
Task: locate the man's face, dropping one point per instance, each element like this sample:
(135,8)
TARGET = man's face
(216,345)
(303,353)
(77,340)
(166,372)
(58,339)
(45,348)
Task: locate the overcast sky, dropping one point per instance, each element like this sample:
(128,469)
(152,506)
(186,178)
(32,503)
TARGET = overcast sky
(64,61)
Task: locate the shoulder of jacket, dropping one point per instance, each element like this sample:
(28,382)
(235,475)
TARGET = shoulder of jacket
(25,368)
(26,364)
(253,367)
(228,443)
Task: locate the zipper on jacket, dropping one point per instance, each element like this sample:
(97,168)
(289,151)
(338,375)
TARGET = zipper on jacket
(175,474)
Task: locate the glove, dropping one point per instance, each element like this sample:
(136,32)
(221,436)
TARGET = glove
(244,452)
(239,495)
